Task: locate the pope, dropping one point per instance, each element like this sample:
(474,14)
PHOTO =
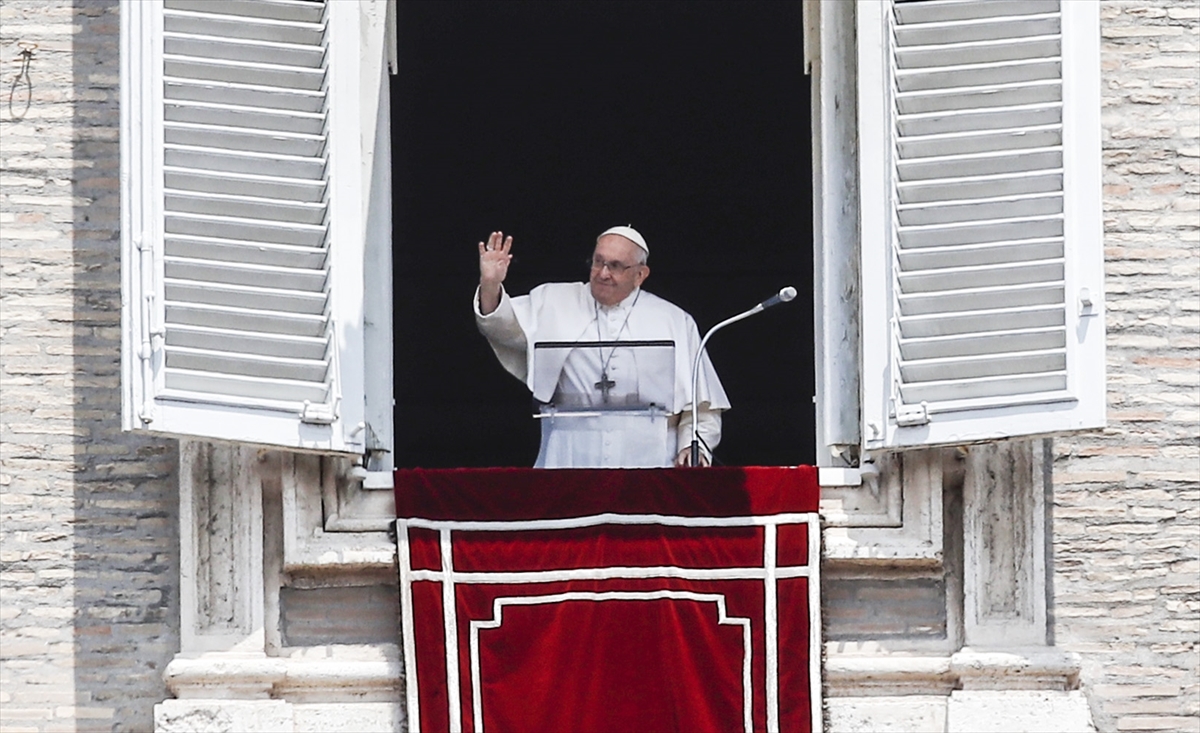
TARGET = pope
(609,308)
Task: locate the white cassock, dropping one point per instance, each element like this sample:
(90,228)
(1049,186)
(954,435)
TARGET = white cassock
(567,312)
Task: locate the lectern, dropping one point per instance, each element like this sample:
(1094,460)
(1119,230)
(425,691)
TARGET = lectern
(605,404)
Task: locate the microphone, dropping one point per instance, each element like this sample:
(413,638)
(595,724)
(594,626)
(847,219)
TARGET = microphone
(783,296)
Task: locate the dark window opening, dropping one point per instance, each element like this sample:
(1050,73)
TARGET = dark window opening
(554,121)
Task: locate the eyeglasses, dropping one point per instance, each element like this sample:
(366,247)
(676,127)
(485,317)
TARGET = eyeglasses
(616,267)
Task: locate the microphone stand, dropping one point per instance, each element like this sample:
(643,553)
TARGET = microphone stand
(784,296)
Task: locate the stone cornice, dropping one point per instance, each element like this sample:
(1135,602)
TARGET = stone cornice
(1026,668)
(220,675)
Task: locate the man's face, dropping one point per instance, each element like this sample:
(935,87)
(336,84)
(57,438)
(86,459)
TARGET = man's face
(615,272)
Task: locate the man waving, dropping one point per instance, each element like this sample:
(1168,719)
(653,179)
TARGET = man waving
(611,307)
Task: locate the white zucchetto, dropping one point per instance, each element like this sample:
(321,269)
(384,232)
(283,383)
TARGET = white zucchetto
(629,233)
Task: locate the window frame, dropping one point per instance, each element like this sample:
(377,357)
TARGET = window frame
(845,334)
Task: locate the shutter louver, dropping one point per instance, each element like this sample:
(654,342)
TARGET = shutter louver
(981,305)
(242,220)
(974,181)
(246,249)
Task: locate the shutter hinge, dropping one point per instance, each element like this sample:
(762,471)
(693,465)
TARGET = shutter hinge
(908,416)
(321,414)
(1087,307)
(152,331)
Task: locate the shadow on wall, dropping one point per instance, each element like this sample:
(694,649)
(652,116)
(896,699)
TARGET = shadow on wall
(126,551)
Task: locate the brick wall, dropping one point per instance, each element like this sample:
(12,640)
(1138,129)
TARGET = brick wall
(1126,514)
(89,540)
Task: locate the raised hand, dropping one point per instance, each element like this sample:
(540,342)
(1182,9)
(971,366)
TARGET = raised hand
(494,257)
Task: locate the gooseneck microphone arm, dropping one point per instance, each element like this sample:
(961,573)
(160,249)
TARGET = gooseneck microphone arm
(783,296)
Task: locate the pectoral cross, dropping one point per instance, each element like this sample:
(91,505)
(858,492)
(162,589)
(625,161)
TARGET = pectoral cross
(604,385)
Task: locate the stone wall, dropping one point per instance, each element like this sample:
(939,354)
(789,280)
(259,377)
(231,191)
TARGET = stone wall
(1126,510)
(89,568)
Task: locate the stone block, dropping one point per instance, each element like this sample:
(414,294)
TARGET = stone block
(1157,722)
(367,717)
(907,714)
(1018,711)
(223,716)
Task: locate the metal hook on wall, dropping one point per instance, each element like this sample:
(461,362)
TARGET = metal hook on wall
(27,49)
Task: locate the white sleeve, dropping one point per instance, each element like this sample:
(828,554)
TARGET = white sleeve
(505,335)
(709,430)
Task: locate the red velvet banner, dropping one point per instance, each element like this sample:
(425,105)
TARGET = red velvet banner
(634,600)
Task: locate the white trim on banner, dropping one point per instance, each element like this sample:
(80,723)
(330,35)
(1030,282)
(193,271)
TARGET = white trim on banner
(450,629)
(611,573)
(608,518)
(723,618)
(771,622)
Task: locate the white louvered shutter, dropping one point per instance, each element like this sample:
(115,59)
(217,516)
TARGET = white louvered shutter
(981,227)
(242,196)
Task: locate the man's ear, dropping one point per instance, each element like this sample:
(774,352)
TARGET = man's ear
(645,273)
